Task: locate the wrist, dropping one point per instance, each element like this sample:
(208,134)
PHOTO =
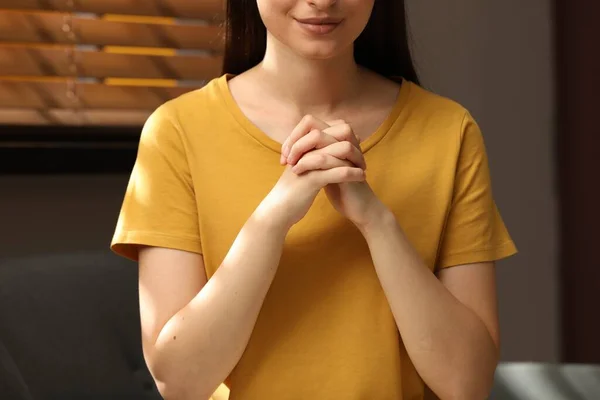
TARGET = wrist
(269,221)
(379,217)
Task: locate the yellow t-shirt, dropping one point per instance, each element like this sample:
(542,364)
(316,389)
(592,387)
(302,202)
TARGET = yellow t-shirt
(325,330)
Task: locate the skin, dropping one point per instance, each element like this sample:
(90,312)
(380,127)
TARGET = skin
(194,331)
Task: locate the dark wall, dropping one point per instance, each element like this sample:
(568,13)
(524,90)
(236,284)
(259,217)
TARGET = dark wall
(497,58)
(55,214)
(578,76)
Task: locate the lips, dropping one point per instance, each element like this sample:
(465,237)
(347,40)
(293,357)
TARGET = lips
(319,26)
(319,21)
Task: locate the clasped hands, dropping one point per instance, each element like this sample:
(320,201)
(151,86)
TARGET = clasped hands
(333,149)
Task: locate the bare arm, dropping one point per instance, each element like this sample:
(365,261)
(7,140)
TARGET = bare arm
(448,325)
(195,331)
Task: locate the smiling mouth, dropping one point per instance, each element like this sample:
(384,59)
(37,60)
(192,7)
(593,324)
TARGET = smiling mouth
(319,26)
(318,21)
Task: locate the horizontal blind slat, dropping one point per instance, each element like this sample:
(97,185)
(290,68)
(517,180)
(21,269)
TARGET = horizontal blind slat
(212,10)
(48,28)
(45,95)
(35,61)
(54,116)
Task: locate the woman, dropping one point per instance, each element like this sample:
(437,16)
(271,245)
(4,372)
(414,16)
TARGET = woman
(253,275)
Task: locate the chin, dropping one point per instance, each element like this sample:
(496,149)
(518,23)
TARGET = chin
(318,51)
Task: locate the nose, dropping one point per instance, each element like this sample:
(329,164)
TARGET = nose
(321,4)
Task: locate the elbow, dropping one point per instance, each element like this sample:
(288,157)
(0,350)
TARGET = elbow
(470,376)
(177,391)
(168,388)
(171,384)
(468,383)
(476,382)
(469,394)
(171,388)
(476,386)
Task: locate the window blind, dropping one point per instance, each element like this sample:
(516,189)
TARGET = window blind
(103,62)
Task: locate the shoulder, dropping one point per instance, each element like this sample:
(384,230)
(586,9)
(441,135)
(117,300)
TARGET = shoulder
(439,117)
(431,106)
(171,124)
(193,106)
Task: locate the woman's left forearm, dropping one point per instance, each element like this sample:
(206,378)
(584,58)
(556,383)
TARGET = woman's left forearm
(447,342)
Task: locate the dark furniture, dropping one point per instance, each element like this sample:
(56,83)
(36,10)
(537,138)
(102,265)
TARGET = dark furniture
(69,329)
(539,381)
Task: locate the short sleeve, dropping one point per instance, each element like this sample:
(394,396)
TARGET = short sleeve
(474,230)
(159,208)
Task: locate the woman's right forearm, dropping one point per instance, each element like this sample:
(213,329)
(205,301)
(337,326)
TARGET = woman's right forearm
(198,348)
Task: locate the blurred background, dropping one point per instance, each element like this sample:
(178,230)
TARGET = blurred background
(79,78)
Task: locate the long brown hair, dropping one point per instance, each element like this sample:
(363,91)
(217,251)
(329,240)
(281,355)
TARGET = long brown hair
(382,47)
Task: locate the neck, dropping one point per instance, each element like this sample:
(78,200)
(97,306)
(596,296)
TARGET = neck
(313,86)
